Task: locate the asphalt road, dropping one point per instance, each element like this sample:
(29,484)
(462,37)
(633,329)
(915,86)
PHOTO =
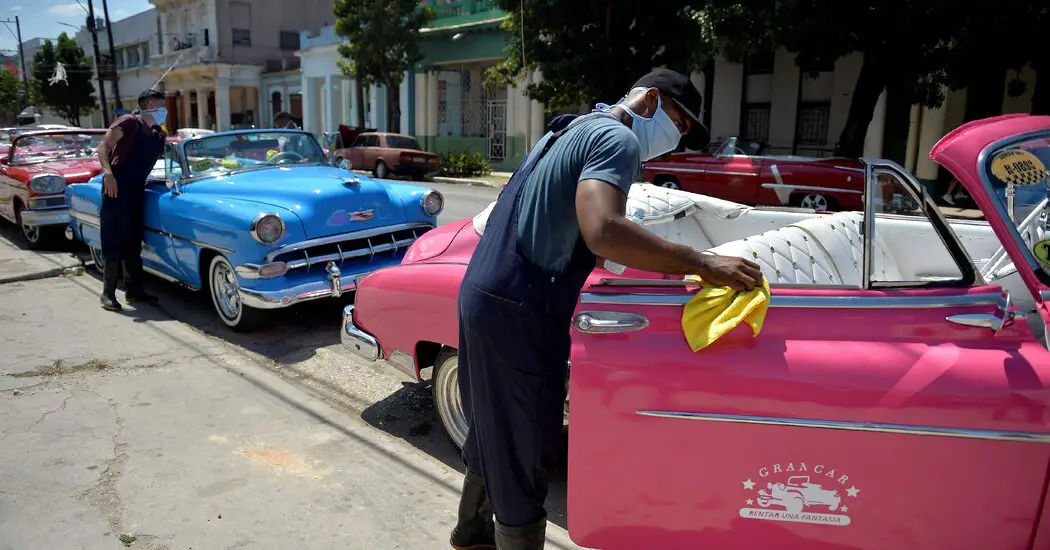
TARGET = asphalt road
(301,345)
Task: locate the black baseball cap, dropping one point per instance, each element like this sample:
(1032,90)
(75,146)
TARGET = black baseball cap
(678,87)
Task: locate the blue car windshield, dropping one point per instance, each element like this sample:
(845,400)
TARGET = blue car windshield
(216,154)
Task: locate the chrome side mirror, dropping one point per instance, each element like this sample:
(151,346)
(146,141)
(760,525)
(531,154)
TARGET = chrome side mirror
(173,184)
(1002,316)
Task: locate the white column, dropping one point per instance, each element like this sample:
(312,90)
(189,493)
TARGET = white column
(222,105)
(784,100)
(331,103)
(344,115)
(914,126)
(873,141)
(727,95)
(932,130)
(286,99)
(164,37)
(538,128)
(202,108)
(422,104)
(187,109)
(309,104)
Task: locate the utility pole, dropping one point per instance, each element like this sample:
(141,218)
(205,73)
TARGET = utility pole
(98,63)
(21,57)
(112,55)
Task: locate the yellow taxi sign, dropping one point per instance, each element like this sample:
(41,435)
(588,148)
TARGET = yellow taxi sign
(1041,250)
(1019,168)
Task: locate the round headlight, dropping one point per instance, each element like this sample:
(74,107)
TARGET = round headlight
(48,185)
(268,228)
(433,203)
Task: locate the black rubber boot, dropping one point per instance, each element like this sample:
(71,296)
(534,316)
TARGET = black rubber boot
(110,277)
(133,283)
(525,537)
(475,529)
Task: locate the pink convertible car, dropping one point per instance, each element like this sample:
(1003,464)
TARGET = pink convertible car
(897,397)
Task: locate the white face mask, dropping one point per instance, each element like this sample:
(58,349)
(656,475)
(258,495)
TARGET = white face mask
(658,135)
(159,115)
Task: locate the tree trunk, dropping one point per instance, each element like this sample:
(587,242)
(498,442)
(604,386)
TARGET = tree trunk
(359,91)
(870,84)
(393,107)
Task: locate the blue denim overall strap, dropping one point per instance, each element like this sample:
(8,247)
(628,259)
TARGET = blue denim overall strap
(513,352)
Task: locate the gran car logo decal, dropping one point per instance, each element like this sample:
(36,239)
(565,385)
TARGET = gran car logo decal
(362,216)
(1041,250)
(799,493)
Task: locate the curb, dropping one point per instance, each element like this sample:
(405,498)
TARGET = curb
(479,183)
(32,276)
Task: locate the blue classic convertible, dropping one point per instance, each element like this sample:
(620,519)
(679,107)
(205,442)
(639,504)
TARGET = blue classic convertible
(262,220)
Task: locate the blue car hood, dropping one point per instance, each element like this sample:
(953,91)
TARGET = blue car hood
(323,197)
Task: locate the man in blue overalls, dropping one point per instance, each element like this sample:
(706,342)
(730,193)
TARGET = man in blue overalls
(562,209)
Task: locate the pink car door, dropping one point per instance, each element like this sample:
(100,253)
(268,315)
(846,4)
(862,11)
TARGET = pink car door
(888,413)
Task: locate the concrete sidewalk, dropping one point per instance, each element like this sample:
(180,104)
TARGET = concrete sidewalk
(17,264)
(134,430)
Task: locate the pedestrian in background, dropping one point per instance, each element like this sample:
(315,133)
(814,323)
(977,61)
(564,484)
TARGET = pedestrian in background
(128,153)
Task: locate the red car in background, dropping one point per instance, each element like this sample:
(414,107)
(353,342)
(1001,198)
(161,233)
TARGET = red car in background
(33,177)
(736,170)
(386,153)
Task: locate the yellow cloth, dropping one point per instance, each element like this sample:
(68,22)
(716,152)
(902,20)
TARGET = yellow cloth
(270,154)
(231,164)
(716,310)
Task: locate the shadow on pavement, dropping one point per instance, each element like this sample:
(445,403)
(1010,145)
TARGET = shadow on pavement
(409,415)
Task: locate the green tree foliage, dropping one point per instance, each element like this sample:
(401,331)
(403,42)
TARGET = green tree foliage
(588,52)
(382,42)
(70,99)
(10,95)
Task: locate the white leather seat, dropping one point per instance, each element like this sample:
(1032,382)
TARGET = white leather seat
(826,250)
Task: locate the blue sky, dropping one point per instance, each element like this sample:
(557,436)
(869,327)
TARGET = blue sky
(42,18)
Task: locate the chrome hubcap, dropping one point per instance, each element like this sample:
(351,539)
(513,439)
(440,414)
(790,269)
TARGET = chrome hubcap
(669,185)
(98,259)
(224,288)
(449,403)
(816,202)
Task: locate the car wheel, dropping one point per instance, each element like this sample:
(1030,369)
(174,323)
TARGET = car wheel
(34,236)
(815,201)
(225,296)
(98,259)
(447,399)
(668,182)
(381,171)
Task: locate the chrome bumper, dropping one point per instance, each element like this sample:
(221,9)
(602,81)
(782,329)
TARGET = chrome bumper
(333,286)
(54,216)
(356,340)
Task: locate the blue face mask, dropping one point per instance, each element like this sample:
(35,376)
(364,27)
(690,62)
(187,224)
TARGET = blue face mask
(159,115)
(657,135)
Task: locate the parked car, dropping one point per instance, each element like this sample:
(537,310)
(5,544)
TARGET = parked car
(261,220)
(737,170)
(385,153)
(900,354)
(35,171)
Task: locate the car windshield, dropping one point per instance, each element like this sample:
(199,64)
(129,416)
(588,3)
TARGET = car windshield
(50,147)
(403,142)
(1024,167)
(216,154)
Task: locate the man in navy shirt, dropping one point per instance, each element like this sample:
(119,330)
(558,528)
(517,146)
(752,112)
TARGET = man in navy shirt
(563,208)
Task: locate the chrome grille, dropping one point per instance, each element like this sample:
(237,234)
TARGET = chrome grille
(358,246)
(46,202)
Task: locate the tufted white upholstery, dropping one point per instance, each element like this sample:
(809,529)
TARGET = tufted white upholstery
(826,250)
(787,255)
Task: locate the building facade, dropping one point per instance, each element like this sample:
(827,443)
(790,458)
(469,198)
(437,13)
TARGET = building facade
(133,43)
(212,55)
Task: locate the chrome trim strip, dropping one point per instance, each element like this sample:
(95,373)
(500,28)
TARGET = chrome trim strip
(40,218)
(343,256)
(164,276)
(84,217)
(305,292)
(96,222)
(682,170)
(937,431)
(810,188)
(356,340)
(869,224)
(823,302)
(333,239)
(727,173)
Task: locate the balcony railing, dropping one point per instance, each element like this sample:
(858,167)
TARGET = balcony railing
(462,12)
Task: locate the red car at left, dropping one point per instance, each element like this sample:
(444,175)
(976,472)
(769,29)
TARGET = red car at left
(33,178)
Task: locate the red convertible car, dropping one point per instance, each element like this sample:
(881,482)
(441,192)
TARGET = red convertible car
(902,358)
(736,170)
(33,177)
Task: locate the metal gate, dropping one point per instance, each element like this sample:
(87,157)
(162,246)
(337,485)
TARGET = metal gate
(497,134)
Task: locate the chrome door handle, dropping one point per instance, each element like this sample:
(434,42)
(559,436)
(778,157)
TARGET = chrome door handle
(993,321)
(596,322)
